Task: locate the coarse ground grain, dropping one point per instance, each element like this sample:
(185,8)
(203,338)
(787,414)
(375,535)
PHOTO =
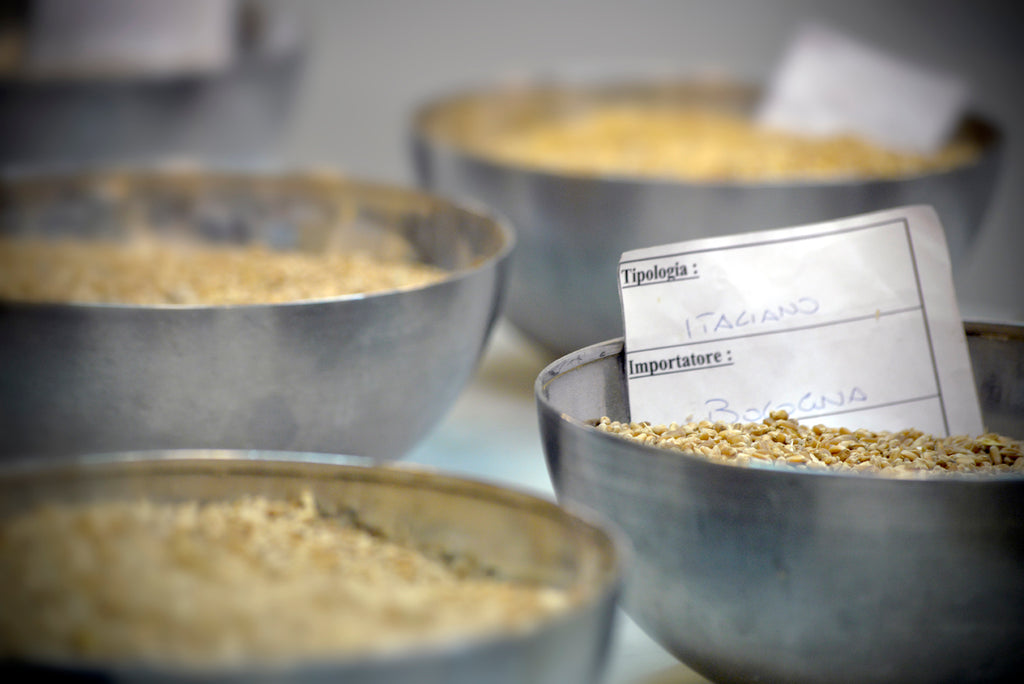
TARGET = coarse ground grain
(158,273)
(703,145)
(779,440)
(253,580)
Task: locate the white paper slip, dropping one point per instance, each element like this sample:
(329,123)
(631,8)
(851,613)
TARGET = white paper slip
(852,323)
(831,84)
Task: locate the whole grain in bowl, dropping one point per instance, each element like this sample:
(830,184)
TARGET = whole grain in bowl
(154,272)
(703,145)
(780,440)
(251,580)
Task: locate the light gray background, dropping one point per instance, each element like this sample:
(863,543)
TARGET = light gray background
(371,62)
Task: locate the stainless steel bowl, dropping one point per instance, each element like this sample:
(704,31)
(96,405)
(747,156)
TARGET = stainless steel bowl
(367,375)
(237,115)
(573,228)
(754,575)
(523,536)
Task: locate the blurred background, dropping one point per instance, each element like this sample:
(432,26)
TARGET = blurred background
(319,82)
(370,63)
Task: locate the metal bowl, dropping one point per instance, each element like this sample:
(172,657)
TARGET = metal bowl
(521,535)
(365,374)
(235,115)
(756,575)
(572,228)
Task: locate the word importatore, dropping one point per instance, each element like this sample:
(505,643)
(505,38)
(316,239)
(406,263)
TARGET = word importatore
(678,362)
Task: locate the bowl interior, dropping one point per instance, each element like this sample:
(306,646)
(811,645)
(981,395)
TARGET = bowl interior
(304,211)
(598,383)
(471,119)
(522,537)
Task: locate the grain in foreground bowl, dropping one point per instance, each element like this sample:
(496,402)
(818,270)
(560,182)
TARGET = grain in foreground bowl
(575,216)
(366,373)
(751,574)
(485,532)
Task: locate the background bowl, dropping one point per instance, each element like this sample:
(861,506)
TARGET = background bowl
(751,575)
(572,228)
(138,114)
(366,374)
(521,535)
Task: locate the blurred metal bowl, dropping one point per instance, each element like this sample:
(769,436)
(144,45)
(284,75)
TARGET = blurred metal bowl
(523,536)
(572,228)
(135,115)
(366,374)
(755,575)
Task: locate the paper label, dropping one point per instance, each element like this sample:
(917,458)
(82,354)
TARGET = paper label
(830,84)
(852,323)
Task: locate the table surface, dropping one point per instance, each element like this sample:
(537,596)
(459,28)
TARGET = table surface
(491,433)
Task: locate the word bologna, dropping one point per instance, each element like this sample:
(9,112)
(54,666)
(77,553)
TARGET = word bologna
(659,273)
(679,362)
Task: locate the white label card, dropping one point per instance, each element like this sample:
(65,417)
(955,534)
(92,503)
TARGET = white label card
(852,323)
(830,84)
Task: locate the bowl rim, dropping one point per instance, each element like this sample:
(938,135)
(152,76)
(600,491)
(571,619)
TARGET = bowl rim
(613,348)
(435,105)
(613,548)
(504,231)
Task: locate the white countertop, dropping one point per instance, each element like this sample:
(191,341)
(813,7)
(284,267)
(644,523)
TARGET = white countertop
(491,433)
